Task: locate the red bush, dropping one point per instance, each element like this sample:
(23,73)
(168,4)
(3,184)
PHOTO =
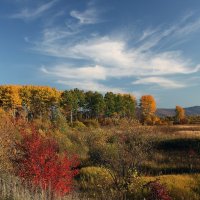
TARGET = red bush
(157,191)
(39,161)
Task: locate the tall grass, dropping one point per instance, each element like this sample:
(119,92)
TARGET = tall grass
(11,188)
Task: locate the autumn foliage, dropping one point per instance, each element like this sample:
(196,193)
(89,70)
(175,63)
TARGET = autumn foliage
(180,114)
(7,137)
(33,102)
(157,191)
(148,107)
(38,161)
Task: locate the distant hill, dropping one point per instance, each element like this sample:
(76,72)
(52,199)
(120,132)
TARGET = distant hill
(163,112)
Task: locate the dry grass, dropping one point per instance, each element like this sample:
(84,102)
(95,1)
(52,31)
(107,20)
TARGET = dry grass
(180,187)
(176,150)
(11,188)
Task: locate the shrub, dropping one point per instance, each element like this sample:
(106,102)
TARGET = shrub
(179,187)
(7,137)
(39,162)
(106,121)
(94,177)
(122,151)
(60,122)
(78,125)
(157,191)
(96,183)
(92,123)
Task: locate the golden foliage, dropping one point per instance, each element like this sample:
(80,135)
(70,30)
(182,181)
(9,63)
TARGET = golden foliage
(9,96)
(148,107)
(33,99)
(180,113)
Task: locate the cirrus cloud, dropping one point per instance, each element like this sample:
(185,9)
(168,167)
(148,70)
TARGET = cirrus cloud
(97,58)
(162,82)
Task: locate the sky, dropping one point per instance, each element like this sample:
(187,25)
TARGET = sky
(124,46)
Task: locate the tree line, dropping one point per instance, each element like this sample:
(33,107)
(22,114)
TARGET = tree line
(43,101)
(32,102)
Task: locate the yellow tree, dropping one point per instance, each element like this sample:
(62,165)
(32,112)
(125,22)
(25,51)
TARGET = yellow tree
(39,100)
(148,108)
(35,100)
(9,97)
(180,114)
(43,100)
(25,95)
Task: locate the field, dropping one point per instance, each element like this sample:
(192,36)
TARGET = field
(177,150)
(125,160)
(174,162)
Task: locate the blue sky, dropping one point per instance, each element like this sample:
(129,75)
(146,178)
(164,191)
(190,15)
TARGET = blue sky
(135,46)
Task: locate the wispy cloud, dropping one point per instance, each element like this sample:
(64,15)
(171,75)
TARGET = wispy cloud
(162,82)
(100,58)
(118,60)
(90,85)
(88,16)
(30,14)
(80,73)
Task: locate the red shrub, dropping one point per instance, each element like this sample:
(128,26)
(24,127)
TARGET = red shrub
(39,161)
(157,191)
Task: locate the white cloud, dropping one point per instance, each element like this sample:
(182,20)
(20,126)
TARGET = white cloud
(81,73)
(89,16)
(100,58)
(119,61)
(163,82)
(148,33)
(30,14)
(189,28)
(90,85)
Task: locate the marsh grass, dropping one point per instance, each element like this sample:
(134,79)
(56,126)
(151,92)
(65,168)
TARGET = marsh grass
(175,150)
(11,188)
(180,187)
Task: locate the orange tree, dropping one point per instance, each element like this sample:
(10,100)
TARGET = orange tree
(180,114)
(147,107)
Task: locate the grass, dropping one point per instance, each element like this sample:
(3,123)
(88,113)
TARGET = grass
(174,162)
(180,187)
(11,188)
(175,150)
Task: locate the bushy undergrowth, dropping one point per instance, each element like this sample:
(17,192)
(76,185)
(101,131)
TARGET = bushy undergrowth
(180,187)
(116,159)
(8,133)
(176,187)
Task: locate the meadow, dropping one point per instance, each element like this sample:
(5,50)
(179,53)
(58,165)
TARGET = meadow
(171,159)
